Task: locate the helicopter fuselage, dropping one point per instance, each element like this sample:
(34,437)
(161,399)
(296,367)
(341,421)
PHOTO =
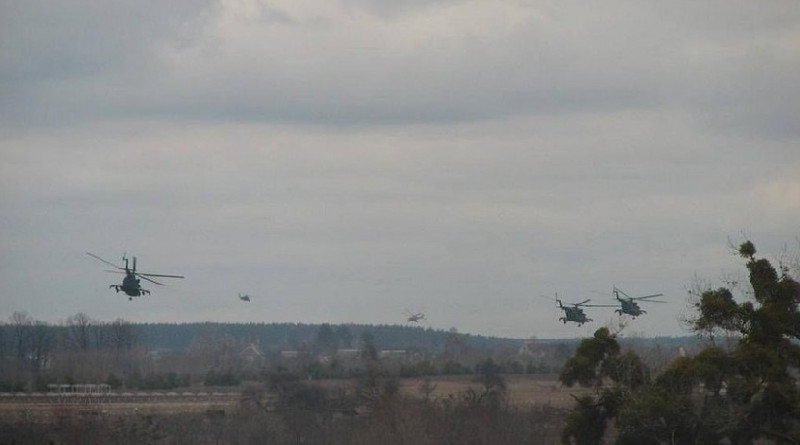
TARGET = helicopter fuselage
(629,307)
(130,285)
(575,314)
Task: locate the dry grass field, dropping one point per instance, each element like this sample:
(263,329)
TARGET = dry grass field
(520,389)
(536,408)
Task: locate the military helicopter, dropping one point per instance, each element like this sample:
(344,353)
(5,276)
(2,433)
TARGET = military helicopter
(244,297)
(130,284)
(574,311)
(414,318)
(629,304)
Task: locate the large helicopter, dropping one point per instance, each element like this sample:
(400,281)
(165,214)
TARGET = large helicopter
(574,311)
(629,305)
(244,297)
(130,284)
(414,318)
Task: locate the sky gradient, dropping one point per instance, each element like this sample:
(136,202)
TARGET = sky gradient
(343,161)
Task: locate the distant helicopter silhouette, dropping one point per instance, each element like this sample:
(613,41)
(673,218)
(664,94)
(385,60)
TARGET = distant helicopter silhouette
(244,297)
(130,284)
(574,311)
(414,318)
(629,305)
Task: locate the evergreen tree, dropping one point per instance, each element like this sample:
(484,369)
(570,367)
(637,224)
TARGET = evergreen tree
(741,394)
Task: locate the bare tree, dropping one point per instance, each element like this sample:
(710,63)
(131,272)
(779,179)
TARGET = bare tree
(78,330)
(98,335)
(21,327)
(122,335)
(3,350)
(455,347)
(42,344)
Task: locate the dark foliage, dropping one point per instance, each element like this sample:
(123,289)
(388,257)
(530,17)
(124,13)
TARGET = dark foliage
(741,394)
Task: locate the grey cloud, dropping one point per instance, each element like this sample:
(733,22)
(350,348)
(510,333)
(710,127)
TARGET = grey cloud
(390,10)
(533,148)
(132,63)
(45,40)
(67,64)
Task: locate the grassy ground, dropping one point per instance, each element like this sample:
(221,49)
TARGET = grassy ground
(536,410)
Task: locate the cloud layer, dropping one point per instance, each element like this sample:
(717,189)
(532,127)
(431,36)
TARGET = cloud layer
(347,160)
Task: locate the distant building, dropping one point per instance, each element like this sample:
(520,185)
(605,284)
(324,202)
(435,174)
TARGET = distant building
(158,353)
(348,353)
(393,354)
(290,354)
(531,349)
(252,355)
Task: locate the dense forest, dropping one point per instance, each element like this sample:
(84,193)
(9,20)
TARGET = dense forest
(83,350)
(23,335)
(282,336)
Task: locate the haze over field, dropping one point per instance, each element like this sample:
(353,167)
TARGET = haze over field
(345,161)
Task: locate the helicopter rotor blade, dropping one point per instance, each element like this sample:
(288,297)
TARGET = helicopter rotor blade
(583,302)
(107,262)
(159,275)
(114,271)
(621,292)
(148,279)
(649,296)
(557,300)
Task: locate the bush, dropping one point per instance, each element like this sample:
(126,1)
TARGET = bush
(418,369)
(455,368)
(113,381)
(227,378)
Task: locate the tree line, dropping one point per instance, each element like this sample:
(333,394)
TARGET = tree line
(84,350)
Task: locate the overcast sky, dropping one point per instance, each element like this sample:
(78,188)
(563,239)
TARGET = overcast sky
(346,160)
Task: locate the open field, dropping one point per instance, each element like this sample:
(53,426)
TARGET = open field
(522,390)
(49,408)
(536,409)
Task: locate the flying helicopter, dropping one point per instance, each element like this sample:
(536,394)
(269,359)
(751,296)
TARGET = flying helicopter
(130,284)
(629,305)
(244,297)
(414,318)
(574,311)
